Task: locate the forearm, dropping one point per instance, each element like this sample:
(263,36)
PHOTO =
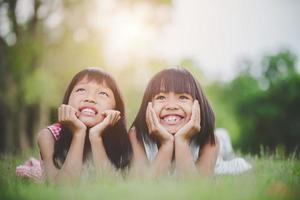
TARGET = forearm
(73,162)
(208,158)
(100,158)
(184,162)
(163,159)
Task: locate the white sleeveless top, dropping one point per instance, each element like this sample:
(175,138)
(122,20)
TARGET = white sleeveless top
(152,150)
(232,166)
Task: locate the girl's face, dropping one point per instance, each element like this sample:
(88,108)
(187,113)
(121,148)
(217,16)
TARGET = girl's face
(90,99)
(173,110)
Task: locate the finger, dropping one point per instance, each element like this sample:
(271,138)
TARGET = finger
(198,111)
(59,114)
(114,118)
(154,118)
(117,117)
(151,119)
(63,115)
(72,113)
(194,112)
(107,118)
(66,112)
(111,116)
(148,119)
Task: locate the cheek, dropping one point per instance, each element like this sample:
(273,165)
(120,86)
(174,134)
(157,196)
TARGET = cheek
(157,107)
(188,110)
(105,104)
(73,101)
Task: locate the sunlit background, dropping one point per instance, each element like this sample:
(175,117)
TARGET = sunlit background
(244,53)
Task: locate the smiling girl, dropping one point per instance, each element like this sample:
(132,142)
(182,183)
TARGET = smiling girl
(174,128)
(91,127)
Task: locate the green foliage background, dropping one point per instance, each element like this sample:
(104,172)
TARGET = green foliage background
(37,62)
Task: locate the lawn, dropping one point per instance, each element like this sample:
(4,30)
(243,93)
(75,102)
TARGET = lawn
(273,177)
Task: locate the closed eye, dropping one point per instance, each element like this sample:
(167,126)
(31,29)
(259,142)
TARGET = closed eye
(80,90)
(184,97)
(160,97)
(104,94)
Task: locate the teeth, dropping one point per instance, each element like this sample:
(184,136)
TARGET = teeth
(88,111)
(171,119)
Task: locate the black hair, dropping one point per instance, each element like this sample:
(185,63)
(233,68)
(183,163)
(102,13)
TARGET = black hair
(115,138)
(178,80)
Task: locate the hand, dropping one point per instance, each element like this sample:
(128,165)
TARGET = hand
(193,126)
(111,118)
(31,169)
(154,127)
(68,115)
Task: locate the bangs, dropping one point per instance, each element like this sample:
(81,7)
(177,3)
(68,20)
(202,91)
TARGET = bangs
(94,74)
(175,80)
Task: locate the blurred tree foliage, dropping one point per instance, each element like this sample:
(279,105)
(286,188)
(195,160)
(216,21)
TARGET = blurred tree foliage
(43,43)
(41,51)
(267,106)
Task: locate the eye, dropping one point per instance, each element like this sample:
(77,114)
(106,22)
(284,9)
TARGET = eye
(102,93)
(160,97)
(184,97)
(80,90)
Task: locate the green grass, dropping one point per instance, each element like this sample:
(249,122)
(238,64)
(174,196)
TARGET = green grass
(273,177)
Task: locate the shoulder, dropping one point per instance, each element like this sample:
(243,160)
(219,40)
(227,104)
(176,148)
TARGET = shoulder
(55,129)
(48,135)
(44,137)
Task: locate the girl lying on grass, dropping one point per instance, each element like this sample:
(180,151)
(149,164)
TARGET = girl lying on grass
(90,129)
(174,130)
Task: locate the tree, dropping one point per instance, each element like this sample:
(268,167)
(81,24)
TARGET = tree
(268,116)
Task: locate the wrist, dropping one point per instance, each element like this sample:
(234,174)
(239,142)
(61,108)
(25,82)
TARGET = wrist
(181,140)
(168,141)
(95,139)
(79,130)
(79,134)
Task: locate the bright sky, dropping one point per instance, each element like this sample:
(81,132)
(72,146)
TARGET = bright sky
(217,34)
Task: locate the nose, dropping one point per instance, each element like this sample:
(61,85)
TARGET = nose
(171,104)
(90,98)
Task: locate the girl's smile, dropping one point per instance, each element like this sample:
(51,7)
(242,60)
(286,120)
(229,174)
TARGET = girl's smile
(90,99)
(88,110)
(174,110)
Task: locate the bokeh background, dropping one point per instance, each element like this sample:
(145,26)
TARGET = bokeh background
(244,53)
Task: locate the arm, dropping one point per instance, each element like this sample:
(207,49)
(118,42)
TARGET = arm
(163,159)
(139,163)
(100,158)
(183,157)
(208,158)
(72,166)
(205,163)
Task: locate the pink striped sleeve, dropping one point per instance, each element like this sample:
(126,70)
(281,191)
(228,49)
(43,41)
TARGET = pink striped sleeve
(55,129)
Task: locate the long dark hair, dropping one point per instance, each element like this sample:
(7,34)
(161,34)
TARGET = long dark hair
(115,139)
(178,80)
